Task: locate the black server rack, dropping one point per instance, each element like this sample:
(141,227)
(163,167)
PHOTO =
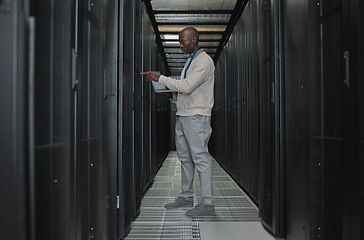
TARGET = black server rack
(326,131)
(271,110)
(160,120)
(334,120)
(82,133)
(148,40)
(110,71)
(267,111)
(120,124)
(236,105)
(93,166)
(145,115)
(80,128)
(322,121)
(53,129)
(128,159)
(138,115)
(217,144)
(248,109)
(17,73)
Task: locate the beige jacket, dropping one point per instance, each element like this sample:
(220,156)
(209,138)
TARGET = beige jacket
(196,91)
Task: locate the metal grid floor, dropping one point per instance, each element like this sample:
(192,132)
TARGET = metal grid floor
(156,222)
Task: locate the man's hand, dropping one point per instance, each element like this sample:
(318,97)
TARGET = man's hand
(151,76)
(167,94)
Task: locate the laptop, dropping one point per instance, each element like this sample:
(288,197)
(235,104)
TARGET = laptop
(160,88)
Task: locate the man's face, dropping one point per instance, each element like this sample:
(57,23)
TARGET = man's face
(186,42)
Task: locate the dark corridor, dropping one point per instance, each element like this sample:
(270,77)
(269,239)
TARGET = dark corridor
(83,135)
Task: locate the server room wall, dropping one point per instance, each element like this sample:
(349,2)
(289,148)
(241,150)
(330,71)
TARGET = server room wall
(80,130)
(304,141)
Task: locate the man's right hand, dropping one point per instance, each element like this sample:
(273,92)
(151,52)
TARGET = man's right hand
(151,76)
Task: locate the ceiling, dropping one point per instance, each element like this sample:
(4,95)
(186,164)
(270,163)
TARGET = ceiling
(214,19)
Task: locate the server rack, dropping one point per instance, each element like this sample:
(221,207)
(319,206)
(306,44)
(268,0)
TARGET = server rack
(70,122)
(306,107)
(147,44)
(60,157)
(52,129)
(93,167)
(271,113)
(110,79)
(17,73)
(334,122)
(160,120)
(228,100)
(138,88)
(143,114)
(129,161)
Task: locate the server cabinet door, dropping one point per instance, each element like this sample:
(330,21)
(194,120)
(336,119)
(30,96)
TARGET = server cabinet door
(52,120)
(267,112)
(110,113)
(271,200)
(128,115)
(352,78)
(147,43)
(92,177)
(120,110)
(13,104)
(334,147)
(138,114)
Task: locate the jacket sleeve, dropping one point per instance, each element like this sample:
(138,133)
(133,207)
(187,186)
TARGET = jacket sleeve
(198,73)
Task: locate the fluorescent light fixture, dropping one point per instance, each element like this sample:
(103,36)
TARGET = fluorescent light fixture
(171,43)
(202,28)
(170,36)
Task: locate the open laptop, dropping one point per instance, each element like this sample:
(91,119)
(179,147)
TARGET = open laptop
(160,88)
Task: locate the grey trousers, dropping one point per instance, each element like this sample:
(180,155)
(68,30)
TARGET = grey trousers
(192,136)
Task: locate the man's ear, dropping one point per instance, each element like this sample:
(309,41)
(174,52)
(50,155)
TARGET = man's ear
(194,39)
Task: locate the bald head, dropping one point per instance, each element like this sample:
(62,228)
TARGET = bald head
(191,31)
(188,39)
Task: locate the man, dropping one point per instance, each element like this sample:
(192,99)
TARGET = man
(193,127)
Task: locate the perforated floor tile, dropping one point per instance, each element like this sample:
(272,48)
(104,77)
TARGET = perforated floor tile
(156,222)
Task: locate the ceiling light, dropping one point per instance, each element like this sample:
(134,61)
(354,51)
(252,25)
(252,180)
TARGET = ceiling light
(202,28)
(170,42)
(170,36)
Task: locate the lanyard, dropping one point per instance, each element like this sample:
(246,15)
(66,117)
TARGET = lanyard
(189,63)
